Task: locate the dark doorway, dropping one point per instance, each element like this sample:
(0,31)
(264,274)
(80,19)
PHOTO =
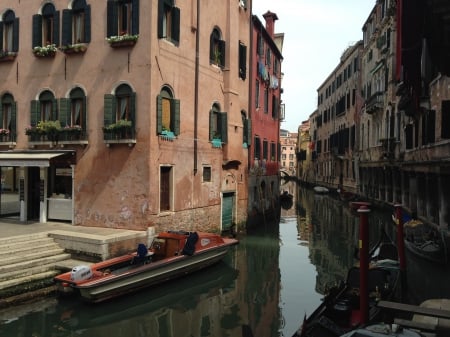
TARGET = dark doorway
(34,193)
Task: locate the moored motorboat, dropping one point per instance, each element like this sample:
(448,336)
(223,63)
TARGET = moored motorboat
(321,190)
(172,254)
(340,313)
(383,330)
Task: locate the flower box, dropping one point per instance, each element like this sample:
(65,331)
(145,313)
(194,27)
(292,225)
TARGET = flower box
(124,40)
(74,48)
(45,51)
(216,142)
(7,56)
(167,135)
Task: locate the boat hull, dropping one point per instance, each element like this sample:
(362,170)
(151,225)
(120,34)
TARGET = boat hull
(149,275)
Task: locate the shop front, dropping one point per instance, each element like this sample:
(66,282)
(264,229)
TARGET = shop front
(37,186)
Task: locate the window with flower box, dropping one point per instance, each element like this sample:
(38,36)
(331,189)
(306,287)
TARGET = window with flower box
(8,110)
(9,36)
(168,21)
(76,27)
(119,114)
(122,22)
(167,115)
(46,31)
(72,115)
(42,110)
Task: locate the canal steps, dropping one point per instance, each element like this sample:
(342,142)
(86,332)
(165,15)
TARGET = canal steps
(29,260)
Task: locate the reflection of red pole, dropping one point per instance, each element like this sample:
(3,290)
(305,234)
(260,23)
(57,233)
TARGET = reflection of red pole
(363,263)
(401,249)
(400,237)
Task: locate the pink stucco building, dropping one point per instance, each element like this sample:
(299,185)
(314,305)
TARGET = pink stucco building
(125,113)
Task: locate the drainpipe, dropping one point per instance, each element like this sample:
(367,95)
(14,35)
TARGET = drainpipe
(197,48)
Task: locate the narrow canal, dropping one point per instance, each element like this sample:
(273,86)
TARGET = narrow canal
(266,285)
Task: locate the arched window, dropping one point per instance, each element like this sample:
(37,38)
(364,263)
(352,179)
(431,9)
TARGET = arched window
(9,25)
(46,27)
(8,115)
(76,24)
(218,124)
(168,21)
(44,109)
(72,110)
(168,112)
(217,48)
(120,113)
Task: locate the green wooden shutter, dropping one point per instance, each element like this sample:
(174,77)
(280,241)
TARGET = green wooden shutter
(85,114)
(242,61)
(176,25)
(1,115)
(223,122)
(56,19)
(66,27)
(1,35)
(221,45)
(15,45)
(160,19)
(135,17)
(13,124)
(35,114)
(87,24)
(133,109)
(158,114)
(211,125)
(55,109)
(249,131)
(37,31)
(175,106)
(109,116)
(64,112)
(227,210)
(112,27)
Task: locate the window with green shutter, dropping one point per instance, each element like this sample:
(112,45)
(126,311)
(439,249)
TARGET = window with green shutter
(8,117)
(168,113)
(217,48)
(9,32)
(168,21)
(122,17)
(76,24)
(46,27)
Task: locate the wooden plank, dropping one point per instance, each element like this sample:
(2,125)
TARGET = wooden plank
(414,309)
(415,325)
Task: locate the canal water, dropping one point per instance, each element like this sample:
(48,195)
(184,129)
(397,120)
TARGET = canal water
(265,286)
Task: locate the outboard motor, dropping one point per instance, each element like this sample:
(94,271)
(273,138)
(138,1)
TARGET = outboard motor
(80,273)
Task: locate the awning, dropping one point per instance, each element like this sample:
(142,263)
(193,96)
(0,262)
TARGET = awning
(31,158)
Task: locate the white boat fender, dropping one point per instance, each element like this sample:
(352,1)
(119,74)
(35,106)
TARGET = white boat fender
(80,273)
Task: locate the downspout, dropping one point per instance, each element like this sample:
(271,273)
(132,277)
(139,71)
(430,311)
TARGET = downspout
(197,48)
(250,95)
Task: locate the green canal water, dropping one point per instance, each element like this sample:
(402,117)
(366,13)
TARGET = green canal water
(276,275)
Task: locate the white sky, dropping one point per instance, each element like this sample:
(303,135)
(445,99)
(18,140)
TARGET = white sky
(316,32)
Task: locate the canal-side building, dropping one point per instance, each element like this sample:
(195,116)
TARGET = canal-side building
(125,114)
(288,142)
(379,122)
(263,122)
(305,171)
(334,124)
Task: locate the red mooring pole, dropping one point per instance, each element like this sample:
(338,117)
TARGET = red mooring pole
(363,263)
(401,248)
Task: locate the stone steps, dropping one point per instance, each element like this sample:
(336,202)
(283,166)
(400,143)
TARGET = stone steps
(28,259)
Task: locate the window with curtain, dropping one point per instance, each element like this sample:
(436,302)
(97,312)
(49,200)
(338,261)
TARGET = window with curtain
(76,24)
(46,27)
(10,27)
(168,21)
(122,17)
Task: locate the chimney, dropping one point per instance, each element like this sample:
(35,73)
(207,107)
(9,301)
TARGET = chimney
(270,22)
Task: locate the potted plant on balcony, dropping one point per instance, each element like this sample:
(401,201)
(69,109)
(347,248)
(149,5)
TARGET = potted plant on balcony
(167,134)
(50,128)
(123,40)
(119,130)
(4,135)
(217,140)
(72,132)
(45,51)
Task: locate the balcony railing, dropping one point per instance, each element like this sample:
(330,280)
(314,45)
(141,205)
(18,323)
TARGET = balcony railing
(375,102)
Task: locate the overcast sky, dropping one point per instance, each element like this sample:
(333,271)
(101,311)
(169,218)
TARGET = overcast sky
(316,32)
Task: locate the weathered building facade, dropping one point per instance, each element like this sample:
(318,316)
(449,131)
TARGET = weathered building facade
(264,120)
(334,125)
(125,113)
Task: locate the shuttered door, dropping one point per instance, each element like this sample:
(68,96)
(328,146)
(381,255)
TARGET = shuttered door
(227,210)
